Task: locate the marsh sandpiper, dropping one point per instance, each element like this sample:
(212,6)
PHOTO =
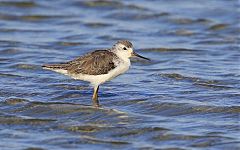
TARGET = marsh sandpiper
(98,66)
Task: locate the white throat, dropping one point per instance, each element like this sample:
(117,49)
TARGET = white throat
(122,56)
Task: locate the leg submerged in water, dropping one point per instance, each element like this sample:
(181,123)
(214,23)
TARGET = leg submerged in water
(95,97)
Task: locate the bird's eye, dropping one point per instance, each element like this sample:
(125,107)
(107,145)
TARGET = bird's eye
(124,48)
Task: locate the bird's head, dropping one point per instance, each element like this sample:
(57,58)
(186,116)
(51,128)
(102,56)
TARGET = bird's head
(124,49)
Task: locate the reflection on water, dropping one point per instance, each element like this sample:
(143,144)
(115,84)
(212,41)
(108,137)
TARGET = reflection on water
(187,97)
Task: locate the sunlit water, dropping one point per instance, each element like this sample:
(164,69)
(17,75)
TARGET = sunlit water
(187,97)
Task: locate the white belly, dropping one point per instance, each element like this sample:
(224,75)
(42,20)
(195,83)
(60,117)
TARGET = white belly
(96,80)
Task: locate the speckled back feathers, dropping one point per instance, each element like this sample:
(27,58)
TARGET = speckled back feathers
(94,63)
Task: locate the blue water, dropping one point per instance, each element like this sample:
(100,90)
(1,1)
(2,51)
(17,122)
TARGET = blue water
(187,97)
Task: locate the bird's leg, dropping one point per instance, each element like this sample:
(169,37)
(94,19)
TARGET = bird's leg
(95,97)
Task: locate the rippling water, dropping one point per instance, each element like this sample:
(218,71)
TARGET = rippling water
(187,97)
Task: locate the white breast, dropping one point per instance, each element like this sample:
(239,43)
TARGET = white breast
(95,80)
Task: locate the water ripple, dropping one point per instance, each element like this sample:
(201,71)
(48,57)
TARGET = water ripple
(186,97)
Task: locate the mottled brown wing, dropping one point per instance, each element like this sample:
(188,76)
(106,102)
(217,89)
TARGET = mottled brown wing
(95,63)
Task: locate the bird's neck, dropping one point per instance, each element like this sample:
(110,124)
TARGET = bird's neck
(120,55)
(123,57)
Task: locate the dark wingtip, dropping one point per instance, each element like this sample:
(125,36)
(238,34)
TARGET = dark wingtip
(44,66)
(54,66)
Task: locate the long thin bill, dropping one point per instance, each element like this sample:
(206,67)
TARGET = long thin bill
(137,55)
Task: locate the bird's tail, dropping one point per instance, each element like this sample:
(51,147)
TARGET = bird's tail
(60,68)
(55,66)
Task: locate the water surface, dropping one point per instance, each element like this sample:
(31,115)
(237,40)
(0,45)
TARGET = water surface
(187,97)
